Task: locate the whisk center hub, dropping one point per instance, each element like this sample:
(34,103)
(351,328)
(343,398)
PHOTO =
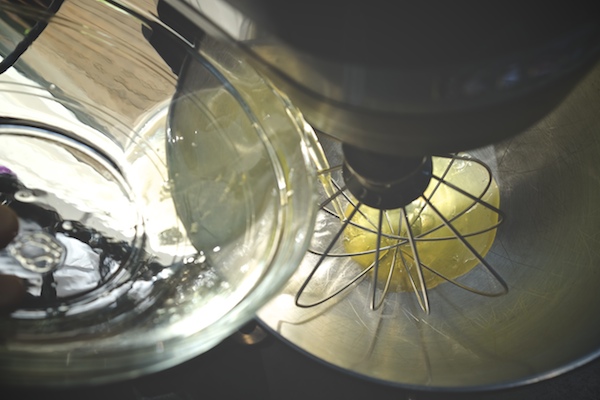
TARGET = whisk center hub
(383,181)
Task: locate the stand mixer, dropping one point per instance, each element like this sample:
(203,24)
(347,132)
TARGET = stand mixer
(434,263)
(413,79)
(417,106)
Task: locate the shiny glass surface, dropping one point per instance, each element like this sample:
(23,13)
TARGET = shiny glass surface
(163,190)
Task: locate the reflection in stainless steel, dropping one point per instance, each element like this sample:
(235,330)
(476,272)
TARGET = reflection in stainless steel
(547,251)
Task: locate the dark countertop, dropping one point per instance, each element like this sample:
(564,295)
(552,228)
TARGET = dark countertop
(274,370)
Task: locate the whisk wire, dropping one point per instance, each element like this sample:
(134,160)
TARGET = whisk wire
(426,236)
(340,191)
(424,300)
(477,200)
(321,259)
(374,303)
(409,260)
(472,250)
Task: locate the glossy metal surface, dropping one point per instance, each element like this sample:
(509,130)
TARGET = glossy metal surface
(410,78)
(547,251)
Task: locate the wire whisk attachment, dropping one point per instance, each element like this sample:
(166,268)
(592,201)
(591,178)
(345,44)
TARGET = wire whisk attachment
(439,237)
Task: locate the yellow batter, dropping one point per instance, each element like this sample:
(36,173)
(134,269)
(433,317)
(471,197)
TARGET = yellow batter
(451,257)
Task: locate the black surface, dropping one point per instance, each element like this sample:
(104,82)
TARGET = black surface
(272,370)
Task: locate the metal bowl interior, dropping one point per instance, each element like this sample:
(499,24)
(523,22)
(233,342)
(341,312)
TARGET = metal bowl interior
(546,250)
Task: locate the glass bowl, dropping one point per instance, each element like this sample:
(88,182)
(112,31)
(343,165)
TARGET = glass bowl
(163,189)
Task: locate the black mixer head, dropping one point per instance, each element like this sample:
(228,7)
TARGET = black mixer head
(410,78)
(383,181)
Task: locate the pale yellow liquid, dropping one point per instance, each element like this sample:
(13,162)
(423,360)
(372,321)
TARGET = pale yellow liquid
(451,258)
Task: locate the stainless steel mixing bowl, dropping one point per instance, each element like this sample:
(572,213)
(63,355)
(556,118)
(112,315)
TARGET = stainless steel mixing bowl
(547,250)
